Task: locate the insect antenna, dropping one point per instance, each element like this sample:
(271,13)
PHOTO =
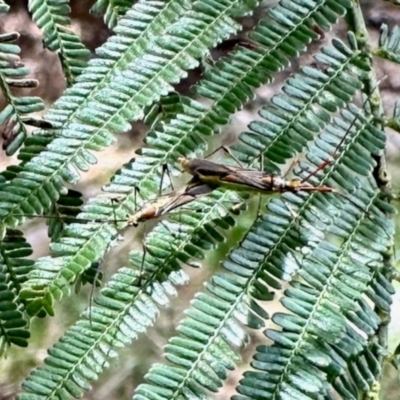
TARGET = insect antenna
(69,219)
(325,163)
(337,149)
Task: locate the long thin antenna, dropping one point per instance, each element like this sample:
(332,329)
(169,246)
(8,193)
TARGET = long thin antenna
(356,117)
(67,218)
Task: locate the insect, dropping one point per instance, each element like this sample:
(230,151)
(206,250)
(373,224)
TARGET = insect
(164,204)
(246,179)
(156,208)
(152,209)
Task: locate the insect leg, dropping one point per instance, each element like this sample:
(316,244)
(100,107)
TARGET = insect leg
(165,170)
(142,263)
(98,269)
(145,250)
(92,289)
(291,167)
(227,151)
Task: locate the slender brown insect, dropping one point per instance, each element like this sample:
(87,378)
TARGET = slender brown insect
(164,204)
(246,179)
(250,180)
(156,208)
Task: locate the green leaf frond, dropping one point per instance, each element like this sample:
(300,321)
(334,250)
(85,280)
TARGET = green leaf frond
(3,7)
(144,174)
(394,122)
(82,244)
(205,351)
(389,45)
(231,82)
(148,77)
(127,306)
(112,10)
(361,377)
(134,33)
(67,207)
(327,249)
(168,141)
(14,250)
(271,252)
(304,107)
(52,17)
(321,311)
(14,117)
(14,269)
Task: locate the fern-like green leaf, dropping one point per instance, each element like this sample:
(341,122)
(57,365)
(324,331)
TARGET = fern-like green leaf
(144,174)
(322,312)
(335,277)
(269,230)
(104,234)
(124,309)
(334,242)
(133,32)
(361,378)
(3,7)
(126,96)
(52,17)
(112,10)
(14,116)
(389,44)
(183,134)
(267,256)
(217,109)
(202,362)
(14,269)
(66,208)
(303,109)
(84,244)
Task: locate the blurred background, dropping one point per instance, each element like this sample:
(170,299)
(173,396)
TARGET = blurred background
(127,372)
